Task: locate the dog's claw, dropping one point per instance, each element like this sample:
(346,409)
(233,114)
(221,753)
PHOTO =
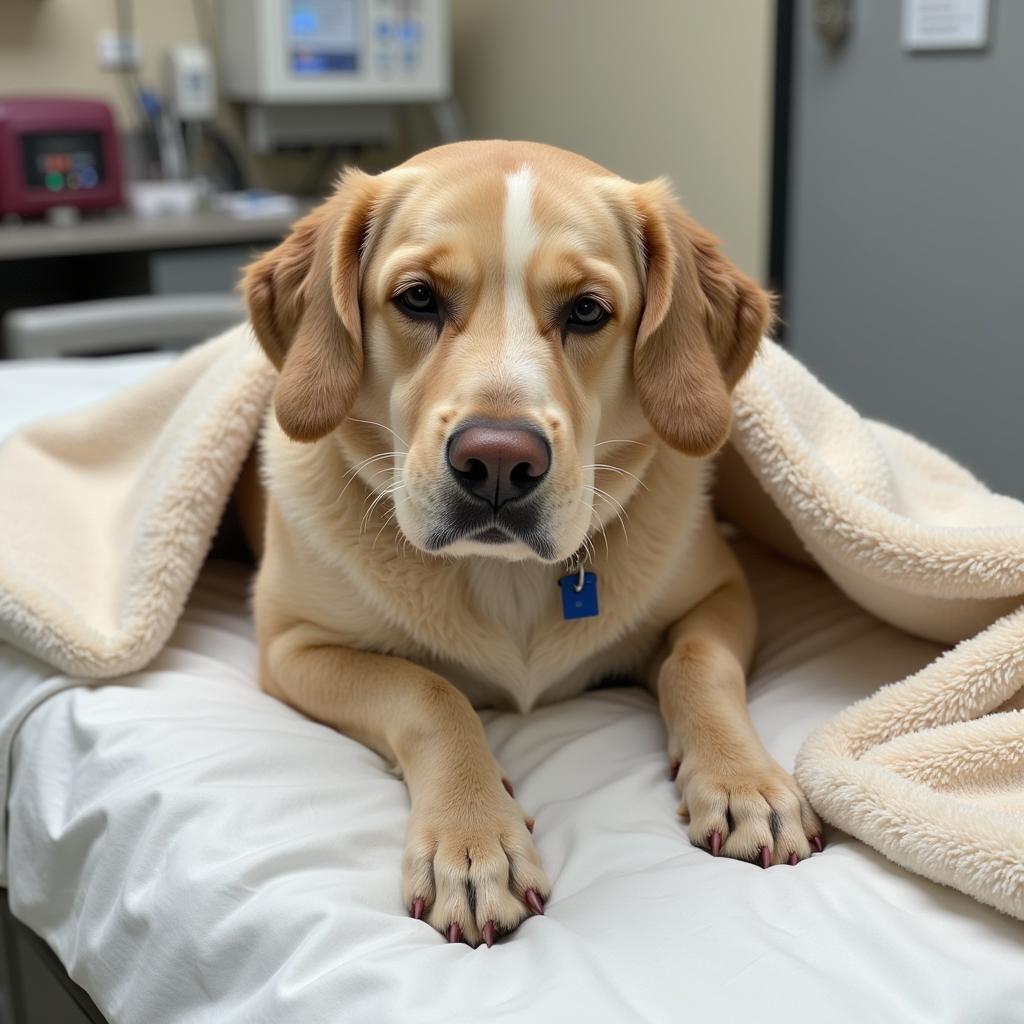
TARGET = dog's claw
(508,788)
(489,934)
(533,901)
(793,860)
(417,907)
(766,857)
(716,843)
(454,932)
(529,825)
(673,770)
(817,844)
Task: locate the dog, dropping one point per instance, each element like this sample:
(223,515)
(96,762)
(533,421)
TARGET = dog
(503,374)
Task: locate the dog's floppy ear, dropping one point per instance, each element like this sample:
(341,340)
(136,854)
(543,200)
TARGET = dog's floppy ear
(701,324)
(303,299)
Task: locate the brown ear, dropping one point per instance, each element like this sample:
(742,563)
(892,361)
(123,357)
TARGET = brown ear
(702,322)
(303,300)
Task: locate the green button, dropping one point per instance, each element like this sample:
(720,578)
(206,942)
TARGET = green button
(54,181)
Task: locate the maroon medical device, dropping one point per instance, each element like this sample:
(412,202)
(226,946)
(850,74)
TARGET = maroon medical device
(56,151)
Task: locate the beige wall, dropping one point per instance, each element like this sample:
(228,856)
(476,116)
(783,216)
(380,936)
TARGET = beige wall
(646,87)
(49,46)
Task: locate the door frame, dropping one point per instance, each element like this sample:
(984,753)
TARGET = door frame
(782,130)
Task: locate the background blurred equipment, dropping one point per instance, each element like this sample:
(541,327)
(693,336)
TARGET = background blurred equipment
(832,20)
(171,198)
(945,24)
(334,51)
(191,88)
(119,255)
(323,71)
(170,143)
(57,151)
(190,95)
(107,326)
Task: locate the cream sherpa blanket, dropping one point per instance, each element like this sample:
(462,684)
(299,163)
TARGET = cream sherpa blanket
(106,517)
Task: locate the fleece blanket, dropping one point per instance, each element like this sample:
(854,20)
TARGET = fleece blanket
(107,515)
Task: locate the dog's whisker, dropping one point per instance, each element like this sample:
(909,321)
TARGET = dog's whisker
(382,495)
(381,472)
(383,489)
(391,516)
(379,532)
(373,498)
(351,474)
(604,532)
(373,458)
(374,423)
(588,546)
(374,492)
(615,469)
(597,492)
(620,440)
(615,501)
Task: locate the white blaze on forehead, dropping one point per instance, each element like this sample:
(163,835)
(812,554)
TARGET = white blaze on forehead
(520,231)
(520,240)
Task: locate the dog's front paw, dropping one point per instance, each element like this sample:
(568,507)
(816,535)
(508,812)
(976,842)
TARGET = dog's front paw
(470,868)
(753,812)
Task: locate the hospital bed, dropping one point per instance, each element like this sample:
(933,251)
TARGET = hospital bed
(191,850)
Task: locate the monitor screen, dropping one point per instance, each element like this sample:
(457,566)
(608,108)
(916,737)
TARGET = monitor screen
(323,36)
(60,161)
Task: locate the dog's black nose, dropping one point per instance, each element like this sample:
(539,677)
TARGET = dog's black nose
(498,462)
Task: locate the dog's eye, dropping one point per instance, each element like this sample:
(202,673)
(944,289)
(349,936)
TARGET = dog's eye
(587,314)
(419,300)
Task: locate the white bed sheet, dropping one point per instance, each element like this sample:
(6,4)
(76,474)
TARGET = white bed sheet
(31,389)
(195,851)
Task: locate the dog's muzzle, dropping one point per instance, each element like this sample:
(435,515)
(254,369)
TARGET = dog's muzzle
(496,468)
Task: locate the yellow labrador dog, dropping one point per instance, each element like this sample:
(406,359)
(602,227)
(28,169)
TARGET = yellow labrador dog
(503,371)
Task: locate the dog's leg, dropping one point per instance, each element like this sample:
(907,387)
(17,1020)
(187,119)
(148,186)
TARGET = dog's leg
(739,801)
(470,867)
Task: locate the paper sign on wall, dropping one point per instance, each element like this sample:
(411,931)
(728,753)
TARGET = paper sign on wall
(945,24)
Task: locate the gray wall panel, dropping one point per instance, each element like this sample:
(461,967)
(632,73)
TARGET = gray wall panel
(905,280)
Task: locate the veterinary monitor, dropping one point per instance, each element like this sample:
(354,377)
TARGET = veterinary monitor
(335,51)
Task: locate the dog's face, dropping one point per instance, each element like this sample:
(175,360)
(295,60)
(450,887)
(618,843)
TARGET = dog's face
(515,327)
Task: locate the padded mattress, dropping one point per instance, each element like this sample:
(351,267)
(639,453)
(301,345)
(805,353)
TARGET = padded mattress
(195,851)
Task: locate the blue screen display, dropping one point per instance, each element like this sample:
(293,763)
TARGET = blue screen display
(323,36)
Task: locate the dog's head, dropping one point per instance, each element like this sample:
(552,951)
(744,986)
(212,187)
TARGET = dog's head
(515,327)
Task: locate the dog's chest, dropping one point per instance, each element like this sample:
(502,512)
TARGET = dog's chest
(518,601)
(498,632)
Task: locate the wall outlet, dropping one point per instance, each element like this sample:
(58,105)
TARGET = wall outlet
(116,52)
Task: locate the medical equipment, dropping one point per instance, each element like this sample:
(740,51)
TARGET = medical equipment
(325,71)
(57,151)
(190,89)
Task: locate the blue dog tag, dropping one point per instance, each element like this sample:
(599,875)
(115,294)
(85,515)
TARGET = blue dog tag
(582,603)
